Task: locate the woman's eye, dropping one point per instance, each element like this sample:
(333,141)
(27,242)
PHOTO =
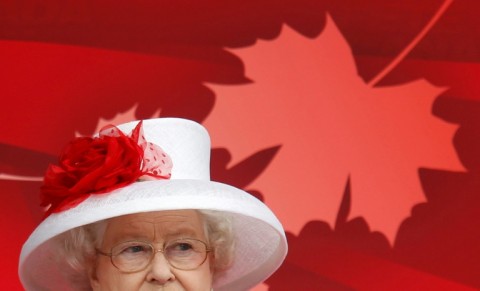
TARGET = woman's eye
(134,249)
(183,246)
(130,249)
(180,247)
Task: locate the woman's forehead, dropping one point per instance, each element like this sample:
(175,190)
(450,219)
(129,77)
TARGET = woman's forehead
(159,216)
(158,224)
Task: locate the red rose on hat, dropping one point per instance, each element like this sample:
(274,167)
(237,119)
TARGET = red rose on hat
(100,165)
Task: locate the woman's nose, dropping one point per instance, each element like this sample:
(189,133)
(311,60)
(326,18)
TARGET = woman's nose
(160,271)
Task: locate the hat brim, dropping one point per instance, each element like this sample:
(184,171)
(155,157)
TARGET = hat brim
(260,243)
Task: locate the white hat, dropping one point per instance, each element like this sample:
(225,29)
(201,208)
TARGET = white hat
(260,243)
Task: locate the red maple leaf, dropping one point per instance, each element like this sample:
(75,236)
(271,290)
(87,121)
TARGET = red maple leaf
(307,96)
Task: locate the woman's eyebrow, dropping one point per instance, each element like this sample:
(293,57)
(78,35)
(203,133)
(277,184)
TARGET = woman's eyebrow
(182,232)
(132,231)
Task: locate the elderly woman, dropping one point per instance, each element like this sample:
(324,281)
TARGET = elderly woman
(134,209)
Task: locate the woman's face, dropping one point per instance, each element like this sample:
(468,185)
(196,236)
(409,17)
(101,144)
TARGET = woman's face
(157,228)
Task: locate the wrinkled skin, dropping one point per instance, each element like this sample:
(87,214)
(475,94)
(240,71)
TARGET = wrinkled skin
(155,227)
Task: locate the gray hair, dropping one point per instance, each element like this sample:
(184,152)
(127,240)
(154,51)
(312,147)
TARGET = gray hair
(77,247)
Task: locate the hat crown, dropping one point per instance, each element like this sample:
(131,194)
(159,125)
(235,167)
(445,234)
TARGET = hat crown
(185,141)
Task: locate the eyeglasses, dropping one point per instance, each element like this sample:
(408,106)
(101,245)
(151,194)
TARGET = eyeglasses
(135,256)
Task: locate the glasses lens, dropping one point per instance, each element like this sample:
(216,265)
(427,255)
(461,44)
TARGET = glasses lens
(132,256)
(186,254)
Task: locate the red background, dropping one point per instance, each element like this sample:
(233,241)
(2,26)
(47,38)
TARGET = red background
(373,169)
